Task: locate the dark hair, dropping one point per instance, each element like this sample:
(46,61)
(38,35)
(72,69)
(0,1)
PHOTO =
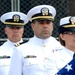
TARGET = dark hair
(33,21)
(61,41)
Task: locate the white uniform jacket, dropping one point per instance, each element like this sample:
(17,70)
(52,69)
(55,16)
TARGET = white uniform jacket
(60,58)
(32,58)
(6,51)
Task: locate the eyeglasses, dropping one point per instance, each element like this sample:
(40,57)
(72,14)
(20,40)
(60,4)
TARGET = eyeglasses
(44,21)
(69,33)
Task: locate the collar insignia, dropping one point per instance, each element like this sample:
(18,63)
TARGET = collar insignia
(17,44)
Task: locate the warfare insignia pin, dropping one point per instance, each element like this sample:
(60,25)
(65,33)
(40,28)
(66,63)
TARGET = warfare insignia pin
(30,56)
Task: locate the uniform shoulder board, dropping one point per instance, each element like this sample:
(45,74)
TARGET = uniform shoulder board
(18,44)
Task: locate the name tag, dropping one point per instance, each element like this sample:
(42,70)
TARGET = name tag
(30,56)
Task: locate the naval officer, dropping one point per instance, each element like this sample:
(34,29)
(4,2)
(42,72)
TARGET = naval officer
(14,27)
(32,58)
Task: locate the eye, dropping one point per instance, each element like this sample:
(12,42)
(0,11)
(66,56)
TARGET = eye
(70,33)
(48,21)
(44,21)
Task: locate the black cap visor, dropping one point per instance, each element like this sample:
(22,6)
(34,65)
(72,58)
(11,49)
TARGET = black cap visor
(62,29)
(15,26)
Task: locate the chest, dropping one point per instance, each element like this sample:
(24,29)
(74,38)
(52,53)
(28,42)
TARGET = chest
(35,57)
(4,62)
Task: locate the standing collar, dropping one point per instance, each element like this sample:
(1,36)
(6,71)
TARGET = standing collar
(41,41)
(14,42)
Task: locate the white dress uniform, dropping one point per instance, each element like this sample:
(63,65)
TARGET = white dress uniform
(6,51)
(60,58)
(32,57)
(10,19)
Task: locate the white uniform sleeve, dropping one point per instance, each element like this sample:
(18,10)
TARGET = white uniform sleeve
(16,63)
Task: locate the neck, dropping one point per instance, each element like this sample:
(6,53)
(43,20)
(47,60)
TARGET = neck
(72,48)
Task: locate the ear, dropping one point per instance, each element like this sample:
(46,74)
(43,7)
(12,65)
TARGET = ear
(5,30)
(52,26)
(62,36)
(23,29)
(32,26)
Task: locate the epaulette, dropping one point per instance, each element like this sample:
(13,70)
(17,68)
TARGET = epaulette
(18,44)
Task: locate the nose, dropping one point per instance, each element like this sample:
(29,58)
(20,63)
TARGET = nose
(45,24)
(15,30)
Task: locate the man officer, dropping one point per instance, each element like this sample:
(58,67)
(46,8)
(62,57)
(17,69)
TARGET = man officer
(32,58)
(14,27)
(65,54)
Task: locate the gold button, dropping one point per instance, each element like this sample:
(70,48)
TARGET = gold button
(44,45)
(45,57)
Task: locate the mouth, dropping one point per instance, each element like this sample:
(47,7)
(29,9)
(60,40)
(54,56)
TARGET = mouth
(15,35)
(45,31)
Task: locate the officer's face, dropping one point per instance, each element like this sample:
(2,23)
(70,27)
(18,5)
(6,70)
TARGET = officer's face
(69,39)
(42,29)
(14,34)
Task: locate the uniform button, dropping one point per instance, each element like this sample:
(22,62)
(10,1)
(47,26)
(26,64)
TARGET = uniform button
(45,57)
(30,63)
(44,45)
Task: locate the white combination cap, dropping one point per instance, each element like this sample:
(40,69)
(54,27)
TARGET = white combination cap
(42,12)
(14,18)
(68,21)
(67,24)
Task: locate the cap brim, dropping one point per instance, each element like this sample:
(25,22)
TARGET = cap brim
(71,29)
(45,19)
(20,26)
(62,29)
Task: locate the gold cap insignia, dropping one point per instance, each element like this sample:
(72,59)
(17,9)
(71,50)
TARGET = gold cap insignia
(72,19)
(45,11)
(16,18)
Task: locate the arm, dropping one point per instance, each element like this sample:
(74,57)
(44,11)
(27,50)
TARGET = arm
(16,63)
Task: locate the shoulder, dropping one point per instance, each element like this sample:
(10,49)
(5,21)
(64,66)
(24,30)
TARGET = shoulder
(59,49)
(53,39)
(18,44)
(61,52)
(4,46)
(21,47)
